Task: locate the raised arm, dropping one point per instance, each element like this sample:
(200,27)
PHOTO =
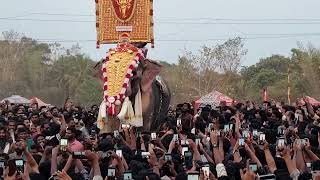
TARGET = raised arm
(270,161)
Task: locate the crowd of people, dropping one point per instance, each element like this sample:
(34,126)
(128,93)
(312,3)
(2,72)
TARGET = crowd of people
(243,141)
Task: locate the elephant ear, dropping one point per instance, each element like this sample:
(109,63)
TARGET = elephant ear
(98,69)
(150,72)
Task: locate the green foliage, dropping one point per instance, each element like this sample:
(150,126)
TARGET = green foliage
(52,73)
(37,69)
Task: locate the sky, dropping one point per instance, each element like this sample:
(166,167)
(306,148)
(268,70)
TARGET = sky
(270,26)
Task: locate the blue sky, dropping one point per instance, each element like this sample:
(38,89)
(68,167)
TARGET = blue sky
(177,20)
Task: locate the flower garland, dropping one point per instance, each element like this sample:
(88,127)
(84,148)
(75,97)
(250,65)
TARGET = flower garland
(125,57)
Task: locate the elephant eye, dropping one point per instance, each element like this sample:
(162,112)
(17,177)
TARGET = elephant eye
(134,73)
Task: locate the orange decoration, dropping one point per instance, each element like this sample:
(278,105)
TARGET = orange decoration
(116,17)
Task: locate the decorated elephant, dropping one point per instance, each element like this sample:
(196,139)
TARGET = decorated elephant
(134,93)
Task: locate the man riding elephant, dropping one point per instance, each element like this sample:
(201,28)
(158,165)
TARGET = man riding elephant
(145,97)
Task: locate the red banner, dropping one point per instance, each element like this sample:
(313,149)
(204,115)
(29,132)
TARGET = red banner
(124,9)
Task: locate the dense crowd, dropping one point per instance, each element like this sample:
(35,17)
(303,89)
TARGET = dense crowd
(242,141)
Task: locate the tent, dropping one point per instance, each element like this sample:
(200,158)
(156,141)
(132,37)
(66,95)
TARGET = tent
(214,99)
(313,101)
(38,101)
(16,99)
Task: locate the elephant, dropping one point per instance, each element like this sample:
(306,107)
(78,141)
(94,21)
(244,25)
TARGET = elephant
(155,95)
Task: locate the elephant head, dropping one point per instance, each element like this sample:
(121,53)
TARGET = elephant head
(137,82)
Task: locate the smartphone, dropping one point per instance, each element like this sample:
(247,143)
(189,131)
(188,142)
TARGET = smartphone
(167,157)
(153,136)
(119,153)
(267,177)
(116,133)
(253,166)
(111,172)
(93,132)
(145,155)
(245,134)
(301,141)
(79,155)
(2,164)
(179,122)
(226,128)
(210,126)
(206,171)
(280,131)
(19,165)
(138,134)
(308,165)
(280,143)
(241,141)
(188,159)
(262,138)
(125,126)
(184,149)
(175,137)
(127,175)
(296,117)
(218,132)
(198,141)
(193,176)
(208,139)
(63,144)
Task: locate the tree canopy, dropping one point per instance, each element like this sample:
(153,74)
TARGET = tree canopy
(53,73)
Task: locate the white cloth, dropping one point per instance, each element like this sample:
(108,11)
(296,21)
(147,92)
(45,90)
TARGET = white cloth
(129,116)
(102,116)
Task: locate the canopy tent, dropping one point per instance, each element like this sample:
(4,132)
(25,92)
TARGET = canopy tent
(38,101)
(313,101)
(16,99)
(214,99)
